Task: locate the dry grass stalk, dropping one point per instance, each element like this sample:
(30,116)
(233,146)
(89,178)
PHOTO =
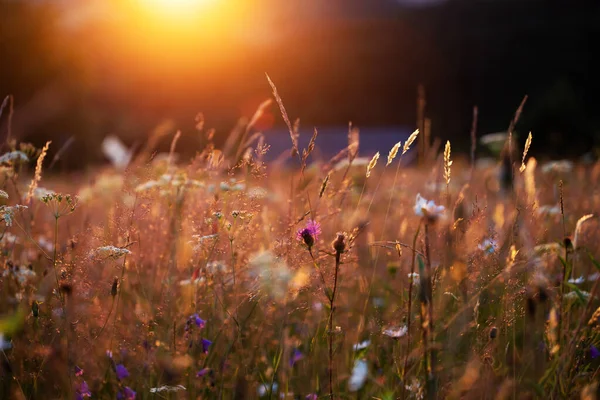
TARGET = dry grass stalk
(447,163)
(525,150)
(293,132)
(410,141)
(393,152)
(372,164)
(38,172)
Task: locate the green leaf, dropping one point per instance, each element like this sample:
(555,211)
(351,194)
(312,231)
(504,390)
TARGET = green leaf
(579,293)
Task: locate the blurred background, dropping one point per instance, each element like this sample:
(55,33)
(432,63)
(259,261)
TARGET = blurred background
(84,69)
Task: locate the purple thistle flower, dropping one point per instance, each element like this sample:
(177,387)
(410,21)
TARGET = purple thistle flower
(202,372)
(295,357)
(594,352)
(310,234)
(121,371)
(205,344)
(83,391)
(126,394)
(78,371)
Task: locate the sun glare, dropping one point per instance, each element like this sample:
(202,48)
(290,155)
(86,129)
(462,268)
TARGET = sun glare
(177,6)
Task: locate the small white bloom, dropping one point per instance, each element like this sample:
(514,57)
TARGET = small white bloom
(548,210)
(415,277)
(557,167)
(3,194)
(8,213)
(574,295)
(13,156)
(359,375)
(21,274)
(361,345)
(167,389)
(415,389)
(263,389)
(577,281)
(428,209)
(488,245)
(395,332)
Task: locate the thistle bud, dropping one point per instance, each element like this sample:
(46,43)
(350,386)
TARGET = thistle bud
(339,244)
(115,285)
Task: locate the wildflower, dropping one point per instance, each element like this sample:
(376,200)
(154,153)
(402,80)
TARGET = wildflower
(60,204)
(11,156)
(295,357)
(202,372)
(4,344)
(109,354)
(310,233)
(167,389)
(311,396)
(548,210)
(395,332)
(416,389)
(83,391)
(205,345)
(3,194)
(594,352)
(264,389)
(362,345)
(414,277)
(577,281)
(78,371)
(121,372)
(200,323)
(273,275)
(358,376)
(126,394)
(488,246)
(105,252)
(428,209)
(8,213)
(557,167)
(22,274)
(575,295)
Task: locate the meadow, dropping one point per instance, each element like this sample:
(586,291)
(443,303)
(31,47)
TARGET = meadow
(225,277)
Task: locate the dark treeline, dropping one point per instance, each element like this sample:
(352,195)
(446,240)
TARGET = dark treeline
(356,62)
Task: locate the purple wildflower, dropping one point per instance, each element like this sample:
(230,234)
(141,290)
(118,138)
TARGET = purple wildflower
(78,371)
(200,323)
(310,234)
(121,371)
(594,352)
(202,372)
(295,357)
(109,354)
(205,344)
(126,394)
(83,391)
(312,396)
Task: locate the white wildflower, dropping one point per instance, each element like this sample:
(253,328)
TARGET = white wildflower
(361,345)
(415,277)
(118,154)
(557,167)
(263,389)
(548,210)
(3,194)
(416,389)
(21,274)
(8,213)
(41,192)
(574,295)
(489,246)
(273,274)
(104,252)
(359,375)
(577,281)
(395,332)
(13,156)
(167,389)
(428,209)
